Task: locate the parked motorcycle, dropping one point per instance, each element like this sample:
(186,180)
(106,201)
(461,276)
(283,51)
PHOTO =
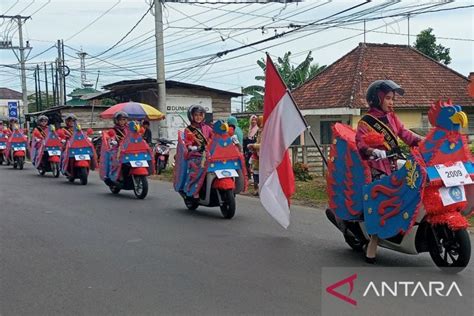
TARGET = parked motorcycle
(79,156)
(127,165)
(211,178)
(16,148)
(46,153)
(162,154)
(3,146)
(419,208)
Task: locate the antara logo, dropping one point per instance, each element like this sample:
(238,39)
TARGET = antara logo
(350,280)
(410,288)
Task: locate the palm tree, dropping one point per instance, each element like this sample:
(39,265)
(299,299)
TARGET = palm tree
(291,75)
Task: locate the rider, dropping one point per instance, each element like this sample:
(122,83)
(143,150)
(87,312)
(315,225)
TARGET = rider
(41,129)
(120,128)
(381,120)
(197,134)
(11,126)
(68,130)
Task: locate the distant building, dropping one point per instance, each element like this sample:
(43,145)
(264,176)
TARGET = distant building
(179,97)
(79,95)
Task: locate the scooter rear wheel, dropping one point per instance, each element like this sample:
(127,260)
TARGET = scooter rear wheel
(450,250)
(21,162)
(55,169)
(82,174)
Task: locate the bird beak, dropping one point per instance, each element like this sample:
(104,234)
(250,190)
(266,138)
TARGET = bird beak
(459,118)
(225,127)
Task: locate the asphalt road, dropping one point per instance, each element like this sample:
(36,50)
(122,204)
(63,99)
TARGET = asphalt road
(67,249)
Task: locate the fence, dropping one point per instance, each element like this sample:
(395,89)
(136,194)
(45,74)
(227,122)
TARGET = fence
(309,155)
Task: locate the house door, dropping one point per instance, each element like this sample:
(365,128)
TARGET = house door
(326,131)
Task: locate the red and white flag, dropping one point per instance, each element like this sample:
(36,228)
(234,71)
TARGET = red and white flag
(283,123)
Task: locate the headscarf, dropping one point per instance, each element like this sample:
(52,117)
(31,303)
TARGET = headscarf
(252,129)
(231,120)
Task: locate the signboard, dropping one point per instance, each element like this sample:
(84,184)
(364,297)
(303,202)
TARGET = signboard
(177,112)
(13,109)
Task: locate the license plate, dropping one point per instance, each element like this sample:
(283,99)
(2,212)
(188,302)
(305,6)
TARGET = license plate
(54,152)
(19,149)
(139,163)
(3,147)
(82,157)
(226,173)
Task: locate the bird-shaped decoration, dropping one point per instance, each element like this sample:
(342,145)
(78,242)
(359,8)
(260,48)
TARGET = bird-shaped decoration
(444,145)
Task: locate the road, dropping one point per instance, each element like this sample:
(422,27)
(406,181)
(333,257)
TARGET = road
(67,249)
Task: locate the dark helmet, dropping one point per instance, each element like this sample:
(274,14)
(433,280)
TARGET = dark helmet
(70,117)
(193,109)
(119,115)
(43,118)
(13,120)
(384,86)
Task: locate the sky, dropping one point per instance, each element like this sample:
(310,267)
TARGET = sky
(95,27)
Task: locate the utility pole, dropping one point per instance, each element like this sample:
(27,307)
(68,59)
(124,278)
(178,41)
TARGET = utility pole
(39,87)
(160,66)
(408,18)
(20,20)
(52,85)
(46,83)
(60,72)
(36,91)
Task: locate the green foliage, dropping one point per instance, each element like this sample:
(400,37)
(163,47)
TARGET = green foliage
(426,43)
(291,75)
(108,101)
(244,124)
(301,172)
(46,102)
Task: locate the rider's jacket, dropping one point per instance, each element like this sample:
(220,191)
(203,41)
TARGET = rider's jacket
(389,122)
(67,132)
(40,132)
(198,135)
(120,133)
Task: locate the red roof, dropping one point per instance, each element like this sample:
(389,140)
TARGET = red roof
(9,94)
(344,83)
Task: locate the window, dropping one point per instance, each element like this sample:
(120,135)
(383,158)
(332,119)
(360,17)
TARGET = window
(326,131)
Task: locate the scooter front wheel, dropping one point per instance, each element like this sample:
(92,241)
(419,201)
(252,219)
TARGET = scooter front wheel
(191,203)
(140,186)
(450,250)
(55,169)
(228,205)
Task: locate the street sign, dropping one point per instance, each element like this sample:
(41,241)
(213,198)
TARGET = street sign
(13,109)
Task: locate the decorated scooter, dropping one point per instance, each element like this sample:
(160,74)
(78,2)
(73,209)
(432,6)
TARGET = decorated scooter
(16,148)
(219,177)
(3,144)
(79,156)
(421,207)
(46,153)
(126,166)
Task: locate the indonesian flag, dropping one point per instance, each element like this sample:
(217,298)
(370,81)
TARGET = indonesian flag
(283,123)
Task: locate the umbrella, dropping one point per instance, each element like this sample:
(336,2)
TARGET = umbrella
(135,110)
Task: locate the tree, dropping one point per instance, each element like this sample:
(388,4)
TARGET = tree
(291,75)
(426,43)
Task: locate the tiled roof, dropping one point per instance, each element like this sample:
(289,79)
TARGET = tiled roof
(9,94)
(344,83)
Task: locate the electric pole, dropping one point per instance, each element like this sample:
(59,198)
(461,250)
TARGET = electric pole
(160,66)
(20,20)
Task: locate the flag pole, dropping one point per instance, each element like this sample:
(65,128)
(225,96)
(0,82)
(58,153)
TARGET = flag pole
(308,128)
(299,112)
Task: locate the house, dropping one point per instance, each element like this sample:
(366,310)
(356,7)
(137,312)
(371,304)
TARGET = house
(12,97)
(337,94)
(179,97)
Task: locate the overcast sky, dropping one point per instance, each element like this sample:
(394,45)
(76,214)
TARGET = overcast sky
(95,26)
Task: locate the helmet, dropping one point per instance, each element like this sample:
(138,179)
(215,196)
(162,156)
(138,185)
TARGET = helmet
(70,117)
(42,118)
(385,86)
(13,120)
(119,115)
(193,109)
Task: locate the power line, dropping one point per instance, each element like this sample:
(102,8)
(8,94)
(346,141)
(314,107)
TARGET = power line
(95,20)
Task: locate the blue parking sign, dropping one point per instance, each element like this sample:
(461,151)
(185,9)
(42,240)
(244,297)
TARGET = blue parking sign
(13,109)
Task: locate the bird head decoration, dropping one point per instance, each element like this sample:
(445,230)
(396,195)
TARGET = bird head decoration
(447,116)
